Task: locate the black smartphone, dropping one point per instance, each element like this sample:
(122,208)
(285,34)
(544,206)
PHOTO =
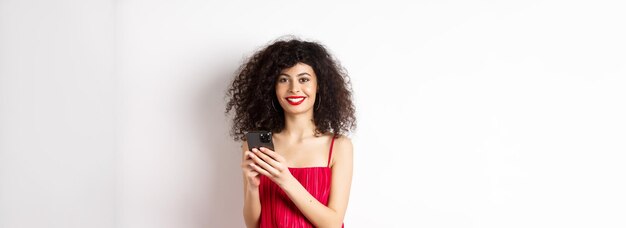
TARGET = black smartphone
(258,139)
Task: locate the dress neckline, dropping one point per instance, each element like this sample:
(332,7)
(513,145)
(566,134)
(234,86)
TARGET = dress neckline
(330,154)
(310,167)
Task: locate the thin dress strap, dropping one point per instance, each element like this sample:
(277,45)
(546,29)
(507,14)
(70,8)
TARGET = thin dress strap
(330,154)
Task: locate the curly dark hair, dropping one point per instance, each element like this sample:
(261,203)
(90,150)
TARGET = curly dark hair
(252,93)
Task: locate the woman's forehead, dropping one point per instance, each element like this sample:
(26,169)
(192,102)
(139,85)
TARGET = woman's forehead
(299,69)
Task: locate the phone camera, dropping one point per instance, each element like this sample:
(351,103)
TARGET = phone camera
(266,137)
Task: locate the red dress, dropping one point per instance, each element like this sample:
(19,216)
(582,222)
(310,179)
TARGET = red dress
(277,210)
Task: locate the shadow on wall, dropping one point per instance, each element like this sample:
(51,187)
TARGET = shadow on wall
(220,191)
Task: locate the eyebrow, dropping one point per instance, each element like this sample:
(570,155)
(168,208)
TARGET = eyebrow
(299,75)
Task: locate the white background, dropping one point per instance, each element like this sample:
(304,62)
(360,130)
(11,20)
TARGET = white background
(470,113)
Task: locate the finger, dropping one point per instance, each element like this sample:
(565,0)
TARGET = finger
(272,154)
(252,172)
(263,165)
(269,160)
(245,154)
(247,160)
(246,166)
(260,170)
(260,162)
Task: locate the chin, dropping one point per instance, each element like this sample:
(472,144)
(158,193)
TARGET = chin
(297,110)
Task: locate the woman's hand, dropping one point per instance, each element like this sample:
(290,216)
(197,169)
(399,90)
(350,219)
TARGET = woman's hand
(252,177)
(270,164)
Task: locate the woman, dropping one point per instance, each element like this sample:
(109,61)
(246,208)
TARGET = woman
(296,90)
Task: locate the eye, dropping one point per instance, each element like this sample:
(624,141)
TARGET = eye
(303,80)
(282,80)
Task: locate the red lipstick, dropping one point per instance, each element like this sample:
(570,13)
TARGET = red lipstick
(295,100)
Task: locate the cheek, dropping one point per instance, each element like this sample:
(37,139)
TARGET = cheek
(311,89)
(279,90)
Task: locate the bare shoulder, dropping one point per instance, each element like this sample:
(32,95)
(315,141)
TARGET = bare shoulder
(342,150)
(343,142)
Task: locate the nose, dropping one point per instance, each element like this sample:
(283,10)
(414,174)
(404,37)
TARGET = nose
(294,87)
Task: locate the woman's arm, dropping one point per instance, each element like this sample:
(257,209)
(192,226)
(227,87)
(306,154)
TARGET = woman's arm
(251,180)
(316,212)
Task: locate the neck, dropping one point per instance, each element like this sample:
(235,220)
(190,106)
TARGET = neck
(299,126)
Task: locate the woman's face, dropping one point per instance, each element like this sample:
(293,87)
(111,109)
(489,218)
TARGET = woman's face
(296,88)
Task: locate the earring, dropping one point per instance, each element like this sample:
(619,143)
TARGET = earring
(274,107)
(318,103)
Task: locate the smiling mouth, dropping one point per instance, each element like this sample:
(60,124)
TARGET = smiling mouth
(295,100)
